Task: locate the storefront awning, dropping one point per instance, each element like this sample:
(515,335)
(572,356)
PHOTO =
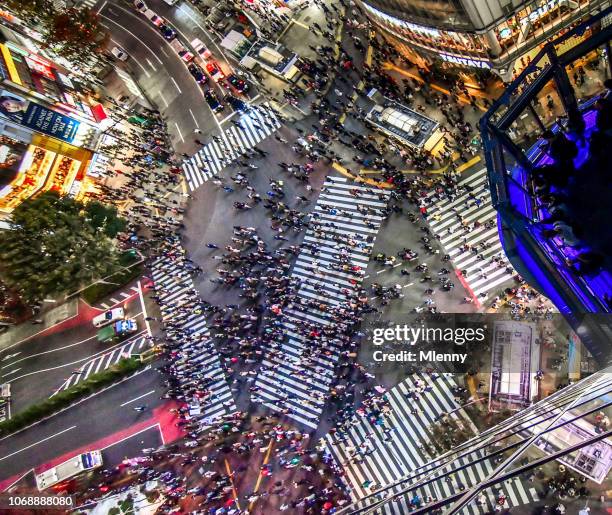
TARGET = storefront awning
(99,112)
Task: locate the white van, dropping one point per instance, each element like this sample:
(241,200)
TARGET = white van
(108,317)
(180,49)
(200,49)
(154,18)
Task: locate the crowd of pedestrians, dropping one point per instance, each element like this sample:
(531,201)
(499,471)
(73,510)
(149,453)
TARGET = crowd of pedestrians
(243,333)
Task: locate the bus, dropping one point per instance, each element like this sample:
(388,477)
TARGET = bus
(82,462)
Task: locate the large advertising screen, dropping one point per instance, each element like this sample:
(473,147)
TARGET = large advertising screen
(37,117)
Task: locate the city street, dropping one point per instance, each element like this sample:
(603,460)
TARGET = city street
(106,420)
(282,236)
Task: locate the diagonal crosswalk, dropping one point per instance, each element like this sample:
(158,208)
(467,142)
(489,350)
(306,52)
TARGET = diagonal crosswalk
(391,439)
(477,229)
(296,375)
(85,3)
(176,289)
(257,123)
(108,359)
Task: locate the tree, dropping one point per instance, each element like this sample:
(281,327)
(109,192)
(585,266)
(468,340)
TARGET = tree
(105,218)
(75,33)
(53,247)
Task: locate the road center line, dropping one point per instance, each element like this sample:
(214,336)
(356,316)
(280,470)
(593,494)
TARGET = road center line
(136,398)
(88,358)
(177,86)
(36,443)
(11,372)
(179,132)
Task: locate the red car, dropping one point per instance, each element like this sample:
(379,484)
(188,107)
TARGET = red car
(214,71)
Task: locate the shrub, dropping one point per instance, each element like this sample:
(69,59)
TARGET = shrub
(69,396)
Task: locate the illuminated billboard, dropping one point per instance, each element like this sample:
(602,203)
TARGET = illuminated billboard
(37,117)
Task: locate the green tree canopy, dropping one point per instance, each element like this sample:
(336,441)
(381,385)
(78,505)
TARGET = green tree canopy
(105,218)
(54,247)
(74,33)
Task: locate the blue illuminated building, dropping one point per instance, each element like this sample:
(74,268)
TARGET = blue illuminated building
(551,186)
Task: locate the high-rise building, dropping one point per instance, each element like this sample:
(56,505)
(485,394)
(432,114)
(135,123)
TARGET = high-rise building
(476,34)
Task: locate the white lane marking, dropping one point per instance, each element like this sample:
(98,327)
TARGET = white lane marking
(135,434)
(179,132)
(102,6)
(228,117)
(194,119)
(43,330)
(144,309)
(146,25)
(177,86)
(163,99)
(77,361)
(10,356)
(11,372)
(150,64)
(19,478)
(37,443)
(136,398)
(49,351)
(135,37)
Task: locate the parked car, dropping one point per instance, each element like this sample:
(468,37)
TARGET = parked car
(238,84)
(214,71)
(197,73)
(119,53)
(213,101)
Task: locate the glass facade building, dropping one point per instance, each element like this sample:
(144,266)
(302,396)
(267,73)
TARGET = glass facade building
(485,34)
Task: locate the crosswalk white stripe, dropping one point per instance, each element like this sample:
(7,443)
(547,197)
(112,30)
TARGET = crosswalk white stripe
(444,223)
(215,156)
(203,353)
(307,383)
(393,459)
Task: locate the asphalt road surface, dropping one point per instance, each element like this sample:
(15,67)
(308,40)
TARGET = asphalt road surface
(38,366)
(161,73)
(102,420)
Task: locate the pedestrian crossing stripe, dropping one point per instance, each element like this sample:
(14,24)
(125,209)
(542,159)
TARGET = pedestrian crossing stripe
(105,360)
(476,210)
(395,446)
(287,379)
(175,288)
(257,123)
